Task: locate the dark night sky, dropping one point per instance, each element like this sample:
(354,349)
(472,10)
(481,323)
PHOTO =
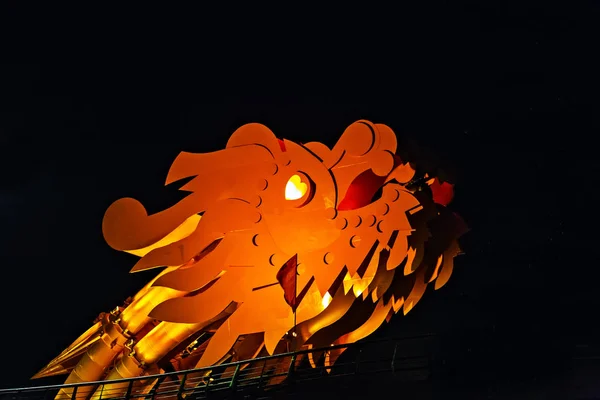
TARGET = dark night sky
(504,97)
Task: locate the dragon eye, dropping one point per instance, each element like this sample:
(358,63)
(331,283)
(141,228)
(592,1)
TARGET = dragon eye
(295,188)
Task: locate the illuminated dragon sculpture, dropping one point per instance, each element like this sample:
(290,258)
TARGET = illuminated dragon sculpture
(278,244)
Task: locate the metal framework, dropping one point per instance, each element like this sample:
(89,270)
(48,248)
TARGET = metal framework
(406,359)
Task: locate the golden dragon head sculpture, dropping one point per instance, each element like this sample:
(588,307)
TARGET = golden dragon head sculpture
(277,240)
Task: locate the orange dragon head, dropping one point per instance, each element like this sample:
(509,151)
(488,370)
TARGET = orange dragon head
(326,242)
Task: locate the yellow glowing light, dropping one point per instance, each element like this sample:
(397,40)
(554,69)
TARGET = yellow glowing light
(182,231)
(295,189)
(326,300)
(408,307)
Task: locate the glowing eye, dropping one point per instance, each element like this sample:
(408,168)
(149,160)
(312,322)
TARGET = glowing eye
(295,189)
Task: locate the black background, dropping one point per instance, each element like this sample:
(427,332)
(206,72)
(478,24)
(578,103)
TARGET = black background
(503,96)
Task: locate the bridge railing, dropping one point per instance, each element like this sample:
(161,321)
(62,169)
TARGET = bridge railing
(406,358)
